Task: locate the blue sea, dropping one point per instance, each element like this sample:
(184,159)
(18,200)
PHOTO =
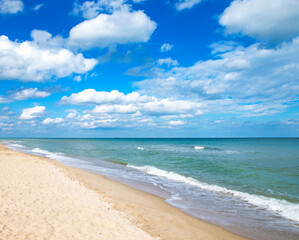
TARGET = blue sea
(248,186)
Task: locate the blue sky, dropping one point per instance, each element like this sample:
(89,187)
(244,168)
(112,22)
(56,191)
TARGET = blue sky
(149,68)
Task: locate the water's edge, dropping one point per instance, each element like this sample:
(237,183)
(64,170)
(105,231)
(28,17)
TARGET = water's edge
(169,196)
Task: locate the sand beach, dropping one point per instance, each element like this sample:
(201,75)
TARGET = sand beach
(43,199)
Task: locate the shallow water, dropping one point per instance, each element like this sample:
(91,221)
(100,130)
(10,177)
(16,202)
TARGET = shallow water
(248,186)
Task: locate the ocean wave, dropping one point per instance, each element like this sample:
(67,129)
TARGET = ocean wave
(199,148)
(38,150)
(44,153)
(140,148)
(13,145)
(284,208)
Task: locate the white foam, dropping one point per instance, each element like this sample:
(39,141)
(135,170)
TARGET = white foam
(284,208)
(41,152)
(199,148)
(15,145)
(38,150)
(140,148)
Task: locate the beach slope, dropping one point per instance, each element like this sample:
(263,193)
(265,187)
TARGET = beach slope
(43,199)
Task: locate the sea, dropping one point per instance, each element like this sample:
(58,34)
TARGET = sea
(249,186)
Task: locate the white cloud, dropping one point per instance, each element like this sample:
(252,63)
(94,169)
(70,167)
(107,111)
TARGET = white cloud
(239,77)
(4,100)
(44,40)
(121,27)
(116,109)
(91,9)
(52,121)
(88,9)
(78,78)
(169,107)
(38,6)
(93,97)
(166,47)
(129,108)
(30,113)
(71,115)
(29,93)
(176,123)
(168,61)
(115,102)
(30,61)
(11,6)
(186,4)
(223,46)
(274,20)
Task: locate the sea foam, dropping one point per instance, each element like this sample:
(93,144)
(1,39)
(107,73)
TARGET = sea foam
(284,208)
(44,153)
(199,148)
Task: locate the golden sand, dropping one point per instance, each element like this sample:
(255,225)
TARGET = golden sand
(43,199)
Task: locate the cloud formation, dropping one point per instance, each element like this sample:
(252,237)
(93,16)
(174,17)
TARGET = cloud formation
(117,109)
(239,75)
(166,47)
(28,93)
(121,27)
(11,6)
(38,6)
(91,96)
(38,60)
(273,20)
(30,113)
(91,9)
(52,121)
(186,4)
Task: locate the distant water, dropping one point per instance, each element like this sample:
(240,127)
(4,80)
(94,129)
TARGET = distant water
(248,186)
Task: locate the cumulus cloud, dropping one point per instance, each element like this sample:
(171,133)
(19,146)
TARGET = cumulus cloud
(176,123)
(32,61)
(166,47)
(240,76)
(30,113)
(115,102)
(121,27)
(94,97)
(28,93)
(52,121)
(11,6)
(71,115)
(90,9)
(116,109)
(273,20)
(186,4)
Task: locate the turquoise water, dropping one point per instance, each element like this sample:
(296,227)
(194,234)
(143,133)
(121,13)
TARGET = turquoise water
(249,186)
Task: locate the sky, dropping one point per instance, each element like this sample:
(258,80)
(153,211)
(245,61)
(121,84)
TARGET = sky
(149,68)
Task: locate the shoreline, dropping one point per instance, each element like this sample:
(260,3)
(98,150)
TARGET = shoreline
(148,212)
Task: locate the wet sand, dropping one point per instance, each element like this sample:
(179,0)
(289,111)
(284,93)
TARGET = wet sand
(43,199)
